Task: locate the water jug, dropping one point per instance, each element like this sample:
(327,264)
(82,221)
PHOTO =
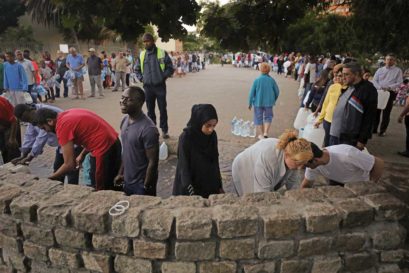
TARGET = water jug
(163,151)
(383,97)
(253,130)
(315,135)
(301,118)
(311,119)
(245,132)
(237,127)
(233,123)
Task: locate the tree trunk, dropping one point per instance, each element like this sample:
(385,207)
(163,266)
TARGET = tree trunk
(77,42)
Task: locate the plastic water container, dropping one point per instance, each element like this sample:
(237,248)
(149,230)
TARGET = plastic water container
(163,151)
(301,118)
(311,119)
(383,97)
(315,135)
(253,130)
(245,132)
(301,133)
(233,123)
(237,127)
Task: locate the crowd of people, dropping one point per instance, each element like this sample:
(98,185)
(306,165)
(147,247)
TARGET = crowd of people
(341,96)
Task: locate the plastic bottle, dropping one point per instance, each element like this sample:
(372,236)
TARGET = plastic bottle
(237,127)
(253,129)
(163,151)
(246,129)
(233,123)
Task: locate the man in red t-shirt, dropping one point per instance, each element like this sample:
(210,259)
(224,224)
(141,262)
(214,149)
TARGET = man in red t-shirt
(9,131)
(84,128)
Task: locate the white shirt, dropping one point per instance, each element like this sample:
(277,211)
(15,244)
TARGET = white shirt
(346,164)
(260,168)
(388,77)
(29,69)
(311,68)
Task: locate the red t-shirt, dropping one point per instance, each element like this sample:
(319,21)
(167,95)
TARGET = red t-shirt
(6,111)
(87,129)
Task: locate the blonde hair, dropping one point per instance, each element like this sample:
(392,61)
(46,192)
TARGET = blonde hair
(297,149)
(264,68)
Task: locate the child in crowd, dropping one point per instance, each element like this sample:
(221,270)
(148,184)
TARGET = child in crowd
(403,91)
(47,81)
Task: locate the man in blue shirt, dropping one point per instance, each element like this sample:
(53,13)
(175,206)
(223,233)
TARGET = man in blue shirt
(15,80)
(75,62)
(36,138)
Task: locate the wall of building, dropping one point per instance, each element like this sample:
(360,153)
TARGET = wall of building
(47,227)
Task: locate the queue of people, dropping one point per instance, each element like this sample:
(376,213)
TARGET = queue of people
(347,105)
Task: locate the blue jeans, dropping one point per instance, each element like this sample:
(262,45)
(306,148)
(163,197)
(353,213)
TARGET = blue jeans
(263,115)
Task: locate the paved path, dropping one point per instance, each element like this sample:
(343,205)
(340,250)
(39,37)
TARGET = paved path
(226,88)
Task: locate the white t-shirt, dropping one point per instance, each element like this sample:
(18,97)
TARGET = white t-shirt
(346,164)
(29,69)
(311,68)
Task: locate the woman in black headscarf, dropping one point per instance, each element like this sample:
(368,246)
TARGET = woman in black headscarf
(198,171)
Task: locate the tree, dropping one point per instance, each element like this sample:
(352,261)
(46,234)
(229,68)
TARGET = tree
(10,11)
(382,25)
(89,19)
(249,24)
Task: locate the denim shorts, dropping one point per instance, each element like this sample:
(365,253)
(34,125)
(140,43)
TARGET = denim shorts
(263,115)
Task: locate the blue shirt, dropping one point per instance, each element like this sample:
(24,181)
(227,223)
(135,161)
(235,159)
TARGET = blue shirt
(36,138)
(264,92)
(75,63)
(15,78)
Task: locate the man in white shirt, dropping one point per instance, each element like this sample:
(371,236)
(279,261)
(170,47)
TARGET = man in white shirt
(28,68)
(387,78)
(342,164)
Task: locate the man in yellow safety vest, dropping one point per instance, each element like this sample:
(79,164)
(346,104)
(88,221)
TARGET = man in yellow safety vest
(152,68)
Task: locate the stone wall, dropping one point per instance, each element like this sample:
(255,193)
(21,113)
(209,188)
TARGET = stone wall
(46,227)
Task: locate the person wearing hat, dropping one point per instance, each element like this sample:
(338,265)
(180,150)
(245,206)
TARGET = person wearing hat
(271,163)
(95,66)
(342,164)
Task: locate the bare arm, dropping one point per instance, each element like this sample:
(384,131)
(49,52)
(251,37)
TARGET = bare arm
(307,183)
(377,170)
(152,171)
(69,161)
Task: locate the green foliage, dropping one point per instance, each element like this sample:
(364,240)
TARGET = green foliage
(382,25)
(249,24)
(20,36)
(194,42)
(100,19)
(10,11)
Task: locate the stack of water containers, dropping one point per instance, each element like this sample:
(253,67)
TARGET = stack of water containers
(239,127)
(304,122)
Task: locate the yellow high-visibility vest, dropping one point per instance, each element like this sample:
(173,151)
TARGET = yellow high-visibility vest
(160,54)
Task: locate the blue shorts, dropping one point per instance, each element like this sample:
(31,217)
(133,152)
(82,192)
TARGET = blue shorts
(263,115)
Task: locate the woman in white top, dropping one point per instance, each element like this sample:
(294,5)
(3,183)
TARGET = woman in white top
(271,163)
(342,164)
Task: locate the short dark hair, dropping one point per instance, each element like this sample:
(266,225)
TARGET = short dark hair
(20,109)
(11,53)
(391,55)
(148,36)
(138,92)
(42,115)
(354,67)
